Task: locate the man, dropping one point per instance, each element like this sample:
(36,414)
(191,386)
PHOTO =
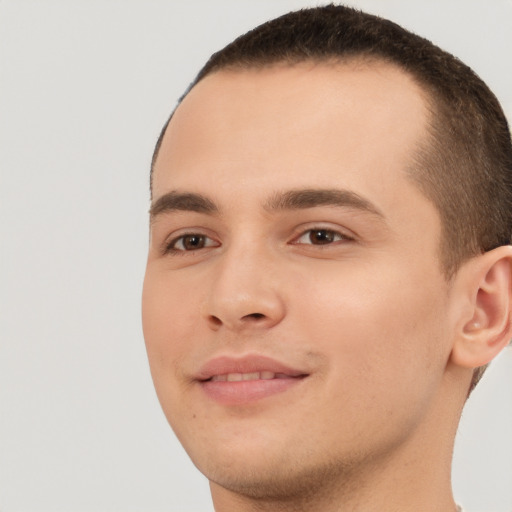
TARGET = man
(329,268)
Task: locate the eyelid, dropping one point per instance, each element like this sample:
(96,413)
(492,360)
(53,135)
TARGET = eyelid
(168,245)
(345,234)
(338,237)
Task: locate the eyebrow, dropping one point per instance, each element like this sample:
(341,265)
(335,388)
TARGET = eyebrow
(178,201)
(280,201)
(311,198)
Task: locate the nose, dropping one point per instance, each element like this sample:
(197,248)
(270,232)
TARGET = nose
(245,292)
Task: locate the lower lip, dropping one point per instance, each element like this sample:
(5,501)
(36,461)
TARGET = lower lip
(247,391)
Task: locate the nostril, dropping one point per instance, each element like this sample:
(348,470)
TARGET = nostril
(255,316)
(215,321)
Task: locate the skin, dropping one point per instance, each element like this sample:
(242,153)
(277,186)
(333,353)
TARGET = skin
(369,316)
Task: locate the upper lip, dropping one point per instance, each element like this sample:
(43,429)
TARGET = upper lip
(247,364)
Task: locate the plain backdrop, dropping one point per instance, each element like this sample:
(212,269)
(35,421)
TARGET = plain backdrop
(85,86)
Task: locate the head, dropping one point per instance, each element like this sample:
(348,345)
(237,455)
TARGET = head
(464,165)
(332,193)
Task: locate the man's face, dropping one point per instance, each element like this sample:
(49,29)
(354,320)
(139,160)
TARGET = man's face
(308,267)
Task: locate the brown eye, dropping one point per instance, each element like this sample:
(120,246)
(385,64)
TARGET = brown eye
(322,236)
(190,242)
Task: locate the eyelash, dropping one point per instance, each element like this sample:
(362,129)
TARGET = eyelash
(326,232)
(331,237)
(170,248)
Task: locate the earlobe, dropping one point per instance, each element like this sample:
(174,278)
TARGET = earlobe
(487,328)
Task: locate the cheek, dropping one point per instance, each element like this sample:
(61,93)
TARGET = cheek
(381,330)
(167,320)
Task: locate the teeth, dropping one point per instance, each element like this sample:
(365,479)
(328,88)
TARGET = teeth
(250,376)
(237,377)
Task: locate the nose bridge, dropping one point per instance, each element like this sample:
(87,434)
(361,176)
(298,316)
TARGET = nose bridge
(245,289)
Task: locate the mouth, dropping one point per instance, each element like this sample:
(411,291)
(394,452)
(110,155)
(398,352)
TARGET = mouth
(238,377)
(239,381)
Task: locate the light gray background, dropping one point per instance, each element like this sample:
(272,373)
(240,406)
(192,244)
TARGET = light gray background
(85,87)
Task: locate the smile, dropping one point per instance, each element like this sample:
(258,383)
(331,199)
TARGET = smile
(237,377)
(242,381)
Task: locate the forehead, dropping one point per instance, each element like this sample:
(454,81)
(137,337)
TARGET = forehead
(358,122)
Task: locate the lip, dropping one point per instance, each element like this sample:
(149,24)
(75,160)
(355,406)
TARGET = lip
(246,364)
(247,391)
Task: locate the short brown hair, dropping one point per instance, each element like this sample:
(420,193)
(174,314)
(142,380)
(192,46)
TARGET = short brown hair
(464,166)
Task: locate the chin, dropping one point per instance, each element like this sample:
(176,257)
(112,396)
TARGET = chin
(262,483)
(265,478)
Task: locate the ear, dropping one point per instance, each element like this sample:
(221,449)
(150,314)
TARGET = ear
(485,327)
